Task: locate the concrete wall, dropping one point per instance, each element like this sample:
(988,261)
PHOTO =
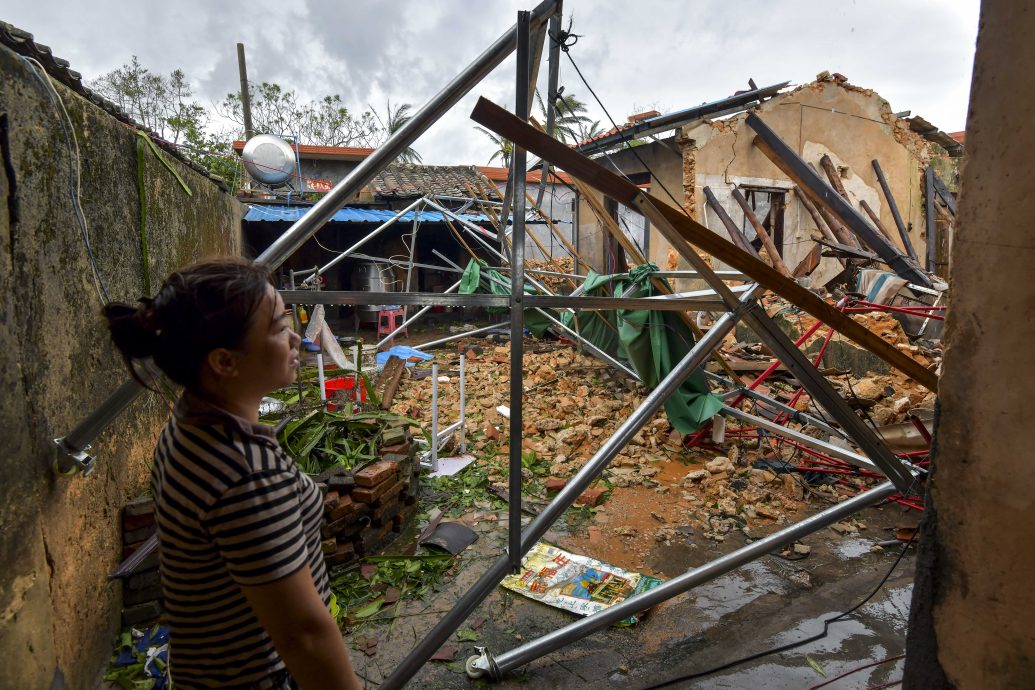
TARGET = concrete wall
(973,604)
(665,163)
(60,536)
(851,125)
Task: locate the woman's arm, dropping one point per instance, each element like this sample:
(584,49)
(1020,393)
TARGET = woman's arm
(303,632)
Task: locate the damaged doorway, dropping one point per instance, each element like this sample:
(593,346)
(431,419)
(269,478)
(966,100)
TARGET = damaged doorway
(768,204)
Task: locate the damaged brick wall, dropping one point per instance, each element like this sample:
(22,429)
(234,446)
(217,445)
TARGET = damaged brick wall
(60,537)
(829,116)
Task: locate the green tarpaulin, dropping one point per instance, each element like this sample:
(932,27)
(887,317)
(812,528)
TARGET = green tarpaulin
(478,278)
(653,342)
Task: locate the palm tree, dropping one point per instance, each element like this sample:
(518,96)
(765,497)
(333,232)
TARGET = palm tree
(504,148)
(393,122)
(571,123)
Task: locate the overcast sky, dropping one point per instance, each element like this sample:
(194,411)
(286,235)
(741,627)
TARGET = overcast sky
(665,54)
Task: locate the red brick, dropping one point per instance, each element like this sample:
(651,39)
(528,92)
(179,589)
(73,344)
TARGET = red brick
(398,449)
(372,475)
(591,497)
(369,495)
(390,495)
(345,552)
(330,499)
(555,484)
(344,507)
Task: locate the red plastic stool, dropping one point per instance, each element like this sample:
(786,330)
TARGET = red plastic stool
(388,320)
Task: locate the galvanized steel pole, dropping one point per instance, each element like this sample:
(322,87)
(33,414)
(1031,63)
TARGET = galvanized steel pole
(496,666)
(517,311)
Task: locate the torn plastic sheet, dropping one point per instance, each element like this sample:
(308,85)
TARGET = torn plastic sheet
(576,583)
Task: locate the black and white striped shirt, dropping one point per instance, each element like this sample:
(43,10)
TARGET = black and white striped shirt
(232,509)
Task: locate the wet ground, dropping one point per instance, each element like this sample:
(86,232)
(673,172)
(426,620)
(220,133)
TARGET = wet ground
(764,604)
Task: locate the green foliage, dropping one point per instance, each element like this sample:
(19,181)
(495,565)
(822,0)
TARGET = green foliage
(504,148)
(461,491)
(571,123)
(392,122)
(357,598)
(163,104)
(134,676)
(324,122)
(321,439)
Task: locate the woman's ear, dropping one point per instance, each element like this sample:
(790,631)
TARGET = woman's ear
(222,362)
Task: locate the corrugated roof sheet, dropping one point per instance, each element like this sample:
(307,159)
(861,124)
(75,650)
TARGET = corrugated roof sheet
(289,214)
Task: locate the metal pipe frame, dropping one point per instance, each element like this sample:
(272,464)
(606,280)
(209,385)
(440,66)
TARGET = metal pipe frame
(566,497)
(73,445)
(804,439)
(413,318)
(366,238)
(494,667)
(796,362)
(458,336)
(517,311)
(796,415)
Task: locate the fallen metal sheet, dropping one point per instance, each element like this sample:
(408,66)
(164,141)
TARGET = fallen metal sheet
(447,467)
(452,537)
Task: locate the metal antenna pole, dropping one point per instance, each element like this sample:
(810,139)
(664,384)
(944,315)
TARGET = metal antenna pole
(517,312)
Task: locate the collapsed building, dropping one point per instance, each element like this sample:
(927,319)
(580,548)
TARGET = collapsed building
(703,155)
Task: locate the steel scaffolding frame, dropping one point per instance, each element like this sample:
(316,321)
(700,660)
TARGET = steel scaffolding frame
(738,304)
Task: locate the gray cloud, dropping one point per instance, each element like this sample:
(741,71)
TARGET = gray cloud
(666,53)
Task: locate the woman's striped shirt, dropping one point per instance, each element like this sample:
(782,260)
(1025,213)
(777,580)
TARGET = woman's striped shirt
(232,509)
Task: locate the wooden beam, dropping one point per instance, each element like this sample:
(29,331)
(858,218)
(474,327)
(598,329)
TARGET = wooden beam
(734,232)
(767,242)
(503,123)
(876,219)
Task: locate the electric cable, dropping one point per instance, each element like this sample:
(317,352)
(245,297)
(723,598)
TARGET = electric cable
(783,648)
(74,173)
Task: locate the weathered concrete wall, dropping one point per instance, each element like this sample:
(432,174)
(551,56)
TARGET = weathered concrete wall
(973,605)
(665,162)
(59,536)
(852,125)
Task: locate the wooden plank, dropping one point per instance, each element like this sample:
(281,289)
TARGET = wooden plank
(734,232)
(767,242)
(501,122)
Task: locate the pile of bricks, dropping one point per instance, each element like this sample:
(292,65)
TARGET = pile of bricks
(141,590)
(364,511)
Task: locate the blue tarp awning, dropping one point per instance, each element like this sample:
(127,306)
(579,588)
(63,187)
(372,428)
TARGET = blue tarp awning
(290,214)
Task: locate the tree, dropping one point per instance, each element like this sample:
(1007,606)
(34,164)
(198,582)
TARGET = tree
(324,122)
(571,123)
(162,104)
(504,148)
(393,121)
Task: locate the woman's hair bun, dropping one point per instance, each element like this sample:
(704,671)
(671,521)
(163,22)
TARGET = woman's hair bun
(133,329)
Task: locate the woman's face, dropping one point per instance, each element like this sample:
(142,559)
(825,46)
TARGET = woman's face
(268,357)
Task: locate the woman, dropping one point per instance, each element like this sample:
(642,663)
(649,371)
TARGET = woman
(243,577)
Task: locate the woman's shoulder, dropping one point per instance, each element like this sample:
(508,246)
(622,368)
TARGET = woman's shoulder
(221,450)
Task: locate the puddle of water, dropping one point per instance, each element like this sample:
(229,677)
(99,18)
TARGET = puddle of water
(734,590)
(852,547)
